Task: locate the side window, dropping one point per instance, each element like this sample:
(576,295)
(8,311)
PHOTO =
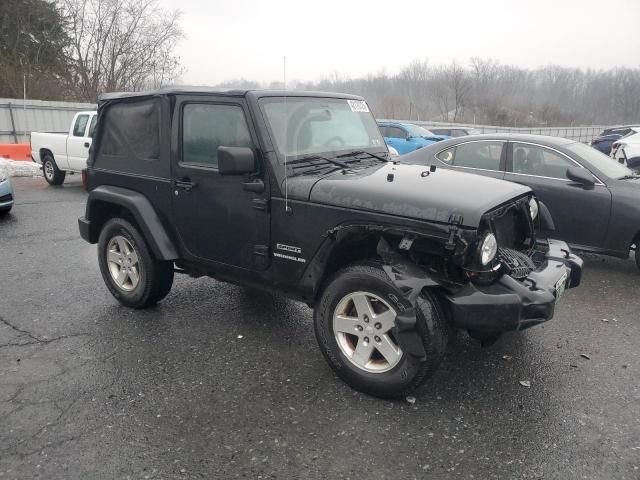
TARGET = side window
(457,133)
(92,126)
(205,127)
(395,132)
(484,155)
(80,126)
(539,161)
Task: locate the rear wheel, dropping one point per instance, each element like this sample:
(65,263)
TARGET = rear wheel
(134,277)
(50,170)
(4,211)
(354,322)
(638,254)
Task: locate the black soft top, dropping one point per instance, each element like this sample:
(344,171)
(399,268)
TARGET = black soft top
(255,93)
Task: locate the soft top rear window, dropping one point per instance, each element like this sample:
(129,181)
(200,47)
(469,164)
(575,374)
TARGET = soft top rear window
(132,130)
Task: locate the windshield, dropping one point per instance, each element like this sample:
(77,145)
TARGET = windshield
(304,126)
(416,131)
(607,165)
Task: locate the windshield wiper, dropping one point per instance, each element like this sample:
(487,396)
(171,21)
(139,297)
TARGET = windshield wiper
(307,158)
(312,164)
(629,177)
(362,152)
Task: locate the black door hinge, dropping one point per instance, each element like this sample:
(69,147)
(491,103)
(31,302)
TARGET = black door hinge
(260,204)
(261,256)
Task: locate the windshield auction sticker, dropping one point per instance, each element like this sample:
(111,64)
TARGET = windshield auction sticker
(358,106)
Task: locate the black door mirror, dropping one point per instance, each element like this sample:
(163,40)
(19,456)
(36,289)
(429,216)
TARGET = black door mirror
(581,176)
(236,160)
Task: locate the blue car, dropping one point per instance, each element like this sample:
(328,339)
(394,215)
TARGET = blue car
(6,194)
(407,137)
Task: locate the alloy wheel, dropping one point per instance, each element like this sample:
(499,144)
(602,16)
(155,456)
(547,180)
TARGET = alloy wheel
(362,325)
(123,263)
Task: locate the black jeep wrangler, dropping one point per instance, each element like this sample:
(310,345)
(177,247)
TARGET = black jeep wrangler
(296,193)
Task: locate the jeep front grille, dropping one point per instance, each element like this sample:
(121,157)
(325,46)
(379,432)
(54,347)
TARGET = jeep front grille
(518,263)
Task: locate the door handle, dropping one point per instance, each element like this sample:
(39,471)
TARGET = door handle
(87,144)
(186,184)
(255,186)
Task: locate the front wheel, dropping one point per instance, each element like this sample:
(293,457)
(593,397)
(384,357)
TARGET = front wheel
(134,277)
(354,324)
(52,174)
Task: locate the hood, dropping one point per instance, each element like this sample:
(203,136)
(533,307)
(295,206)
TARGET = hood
(402,190)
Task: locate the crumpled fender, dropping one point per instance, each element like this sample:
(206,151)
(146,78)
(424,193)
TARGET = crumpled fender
(410,280)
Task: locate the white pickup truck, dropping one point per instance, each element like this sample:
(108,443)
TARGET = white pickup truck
(59,153)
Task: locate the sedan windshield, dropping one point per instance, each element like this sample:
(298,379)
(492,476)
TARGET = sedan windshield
(304,125)
(607,165)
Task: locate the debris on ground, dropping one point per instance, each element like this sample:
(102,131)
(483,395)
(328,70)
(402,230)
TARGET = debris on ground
(506,358)
(411,400)
(605,320)
(240,336)
(14,168)
(584,355)
(525,383)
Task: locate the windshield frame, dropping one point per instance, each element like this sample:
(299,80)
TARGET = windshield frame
(592,165)
(331,153)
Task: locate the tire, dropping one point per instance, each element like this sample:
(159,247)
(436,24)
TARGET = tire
(5,211)
(379,377)
(147,280)
(638,254)
(50,171)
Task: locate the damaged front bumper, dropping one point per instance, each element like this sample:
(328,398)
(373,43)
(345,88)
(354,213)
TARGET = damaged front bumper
(510,304)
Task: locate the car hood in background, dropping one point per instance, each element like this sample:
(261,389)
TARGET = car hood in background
(409,191)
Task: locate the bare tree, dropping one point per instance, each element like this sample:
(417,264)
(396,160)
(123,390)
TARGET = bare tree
(119,45)
(490,93)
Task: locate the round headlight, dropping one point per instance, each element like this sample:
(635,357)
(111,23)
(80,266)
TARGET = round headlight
(533,208)
(488,249)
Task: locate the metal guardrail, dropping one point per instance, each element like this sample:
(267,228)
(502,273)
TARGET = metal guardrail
(18,118)
(582,134)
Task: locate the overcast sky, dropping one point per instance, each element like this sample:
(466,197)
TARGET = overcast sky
(234,39)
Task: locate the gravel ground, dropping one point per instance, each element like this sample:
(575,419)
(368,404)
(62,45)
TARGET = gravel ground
(223,382)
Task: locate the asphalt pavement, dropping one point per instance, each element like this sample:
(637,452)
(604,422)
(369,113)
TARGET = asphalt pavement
(219,381)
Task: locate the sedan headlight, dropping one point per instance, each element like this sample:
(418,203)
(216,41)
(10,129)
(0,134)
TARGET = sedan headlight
(533,208)
(488,249)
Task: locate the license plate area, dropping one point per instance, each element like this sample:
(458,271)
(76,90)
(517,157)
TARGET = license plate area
(561,286)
